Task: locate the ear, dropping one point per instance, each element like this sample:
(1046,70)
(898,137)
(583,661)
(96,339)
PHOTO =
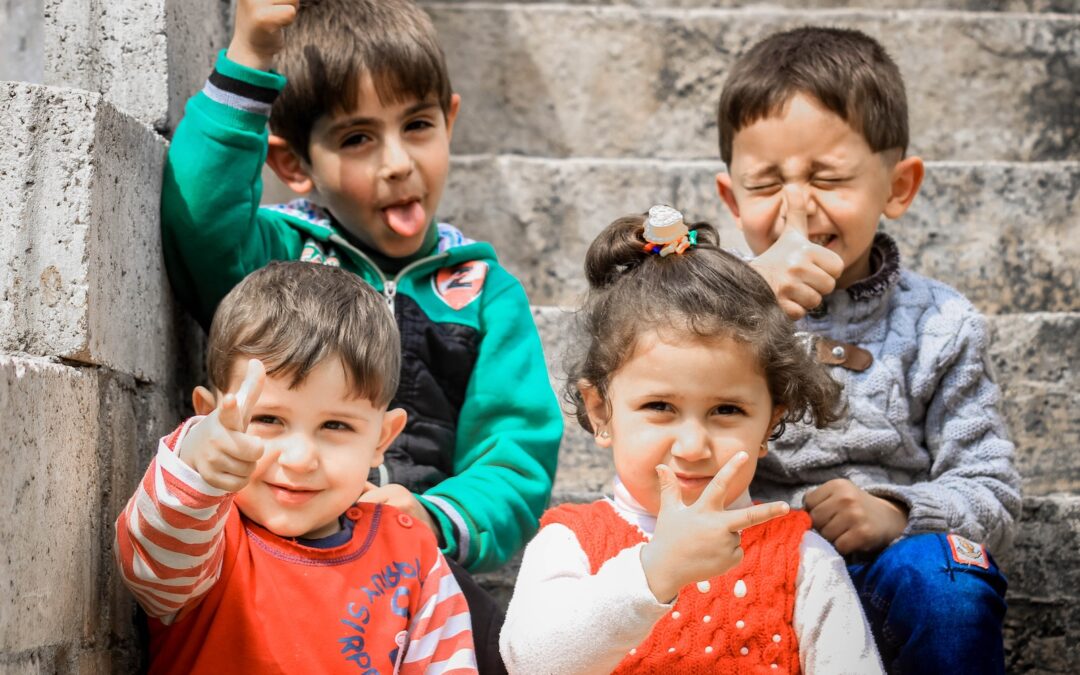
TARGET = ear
(907,176)
(451,115)
(289,167)
(777,413)
(724,189)
(202,399)
(393,422)
(596,408)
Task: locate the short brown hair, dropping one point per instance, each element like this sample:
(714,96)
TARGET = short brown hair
(333,43)
(293,315)
(847,71)
(705,292)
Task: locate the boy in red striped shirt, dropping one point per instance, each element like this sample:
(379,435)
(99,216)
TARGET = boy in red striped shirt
(245,543)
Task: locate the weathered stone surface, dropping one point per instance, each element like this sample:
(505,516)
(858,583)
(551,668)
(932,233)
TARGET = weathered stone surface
(1035,356)
(645,83)
(1042,626)
(22,24)
(81,275)
(145,56)
(1006,235)
(75,441)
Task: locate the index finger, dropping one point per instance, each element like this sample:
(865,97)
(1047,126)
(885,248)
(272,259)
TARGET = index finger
(250,389)
(714,492)
(756,515)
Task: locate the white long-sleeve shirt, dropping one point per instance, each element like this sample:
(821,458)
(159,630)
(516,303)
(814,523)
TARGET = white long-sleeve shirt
(563,619)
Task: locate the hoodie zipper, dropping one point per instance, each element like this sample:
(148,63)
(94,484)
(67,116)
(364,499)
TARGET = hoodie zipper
(389,286)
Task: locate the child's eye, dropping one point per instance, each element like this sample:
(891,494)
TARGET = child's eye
(334,425)
(418,125)
(727,410)
(355,139)
(264,419)
(659,406)
(761,188)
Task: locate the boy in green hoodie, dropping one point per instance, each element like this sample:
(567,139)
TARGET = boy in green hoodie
(361,114)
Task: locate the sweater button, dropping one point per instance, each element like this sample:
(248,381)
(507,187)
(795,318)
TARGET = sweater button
(405,520)
(776,638)
(744,651)
(708,650)
(675,615)
(671,650)
(740,624)
(354,513)
(774,666)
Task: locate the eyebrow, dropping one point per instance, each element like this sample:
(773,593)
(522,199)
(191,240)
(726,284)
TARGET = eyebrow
(357,121)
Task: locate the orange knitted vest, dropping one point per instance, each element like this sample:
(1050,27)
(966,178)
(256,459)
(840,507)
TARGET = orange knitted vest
(717,631)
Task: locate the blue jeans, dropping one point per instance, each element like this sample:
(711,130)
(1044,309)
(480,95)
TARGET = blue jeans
(929,613)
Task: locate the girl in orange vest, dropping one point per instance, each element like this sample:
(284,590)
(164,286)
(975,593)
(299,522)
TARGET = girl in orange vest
(690,368)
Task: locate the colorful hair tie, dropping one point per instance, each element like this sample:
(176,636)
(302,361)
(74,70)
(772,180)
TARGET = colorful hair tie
(666,233)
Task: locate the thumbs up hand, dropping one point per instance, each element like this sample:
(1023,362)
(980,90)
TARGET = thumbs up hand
(699,541)
(800,272)
(218,446)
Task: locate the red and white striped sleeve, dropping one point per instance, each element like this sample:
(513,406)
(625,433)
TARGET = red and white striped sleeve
(170,537)
(440,634)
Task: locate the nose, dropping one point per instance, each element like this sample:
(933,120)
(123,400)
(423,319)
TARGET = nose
(691,443)
(298,453)
(397,161)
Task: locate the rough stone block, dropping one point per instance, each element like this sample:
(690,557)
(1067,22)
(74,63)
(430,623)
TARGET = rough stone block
(75,441)
(1006,235)
(1042,625)
(1061,6)
(22,24)
(645,83)
(81,274)
(145,56)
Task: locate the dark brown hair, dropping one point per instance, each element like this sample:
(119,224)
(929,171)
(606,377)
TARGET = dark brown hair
(294,315)
(847,71)
(333,43)
(705,292)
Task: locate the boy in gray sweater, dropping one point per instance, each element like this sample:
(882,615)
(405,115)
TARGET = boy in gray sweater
(916,484)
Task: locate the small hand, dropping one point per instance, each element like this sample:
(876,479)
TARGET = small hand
(218,446)
(853,519)
(697,542)
(259,33)
(799,271)
(401,499)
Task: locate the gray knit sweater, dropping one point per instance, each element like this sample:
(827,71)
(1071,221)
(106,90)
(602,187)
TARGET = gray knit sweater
(922,425)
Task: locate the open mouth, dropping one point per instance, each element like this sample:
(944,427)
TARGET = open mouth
(822,239)
(406,217)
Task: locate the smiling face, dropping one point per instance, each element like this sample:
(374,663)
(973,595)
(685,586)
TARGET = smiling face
(321,441)
(689,403)
(380,168)
(847,186)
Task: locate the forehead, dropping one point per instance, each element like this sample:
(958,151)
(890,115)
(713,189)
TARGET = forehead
(802,131)
(378,100)
(689,361)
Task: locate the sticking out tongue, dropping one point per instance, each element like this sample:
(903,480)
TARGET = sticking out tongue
(406,219)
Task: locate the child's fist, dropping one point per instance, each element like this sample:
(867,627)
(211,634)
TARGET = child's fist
(799,271)
(217,446)
(260,31)
(853,519)
(693,543)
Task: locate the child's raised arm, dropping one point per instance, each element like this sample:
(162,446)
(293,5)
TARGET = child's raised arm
(169,541)
(260,31)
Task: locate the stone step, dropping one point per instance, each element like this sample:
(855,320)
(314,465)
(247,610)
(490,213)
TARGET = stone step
(147,57)
(1007,235)
(559,80)
(82,277)
(82,438)
(1042,624)
(1049,6)
(1035,356)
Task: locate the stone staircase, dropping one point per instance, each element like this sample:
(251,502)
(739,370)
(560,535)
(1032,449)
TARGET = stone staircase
(573,113)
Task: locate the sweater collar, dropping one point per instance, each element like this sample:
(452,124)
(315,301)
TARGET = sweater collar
(884,270)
